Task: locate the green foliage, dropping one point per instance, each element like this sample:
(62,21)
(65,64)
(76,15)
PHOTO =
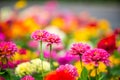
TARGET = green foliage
(84,74)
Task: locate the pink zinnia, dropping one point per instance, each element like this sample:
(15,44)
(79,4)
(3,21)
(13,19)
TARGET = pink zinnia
(96,55)
(68,68)
(52,38)
(79,48)
(40,35)
(22,51)
(28,77)
(2,78)
(7,49)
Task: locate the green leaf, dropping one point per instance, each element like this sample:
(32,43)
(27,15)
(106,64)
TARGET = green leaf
(102,76)
(2,73)
(84,74)
(116,54)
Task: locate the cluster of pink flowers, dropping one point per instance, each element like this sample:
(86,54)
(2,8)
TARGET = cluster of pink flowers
(41,35)
(7,49)
(52,38)
(96,55)
(79,48)
(69,69)
(9,64)
(28,77)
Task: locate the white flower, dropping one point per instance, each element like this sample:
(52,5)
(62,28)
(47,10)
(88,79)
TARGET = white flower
(34,66)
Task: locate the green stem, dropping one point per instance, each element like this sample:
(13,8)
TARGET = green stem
(41,56)
(81,61)
(50,57)
(96,72)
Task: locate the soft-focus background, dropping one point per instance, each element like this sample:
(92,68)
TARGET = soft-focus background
(94,22)
(108,9)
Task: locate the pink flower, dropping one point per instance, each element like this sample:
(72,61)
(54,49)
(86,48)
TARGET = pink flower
(28,77)
(22,51)
(2,36)
(52,38)
(79,48)
(7,49)
(2,78)
(68,68)
(40,35)
(33,44)
(96,55)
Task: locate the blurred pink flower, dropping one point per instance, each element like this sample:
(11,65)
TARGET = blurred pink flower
(28,77)
(33,44)
(22,51)
(40,35)
(2,78)
(2,36)
(67,58)
(52,38)
(47,54)
(118,49)
(7,49)
(68,68)
(50,6)
(79,48)
(9,64)
(96,55)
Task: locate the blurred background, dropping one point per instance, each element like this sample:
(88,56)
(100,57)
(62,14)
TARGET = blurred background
(108,9)
(95,22)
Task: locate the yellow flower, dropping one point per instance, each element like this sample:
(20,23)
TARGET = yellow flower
(114,61)
(20,4)
(90,68)
(24,69)
(27,56)
(59,22)
(84,34)
(33,66)
(104,26)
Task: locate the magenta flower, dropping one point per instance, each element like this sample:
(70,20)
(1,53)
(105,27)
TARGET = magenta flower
(2,78)
(28,77)
(68,68)
(79,48)
(2,36)
(7,49)
(67,58)
(96,55)
(52,38)
(54,54)
(33,44)
(22,51)
(40,35)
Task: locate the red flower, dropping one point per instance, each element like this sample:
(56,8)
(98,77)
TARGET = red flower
(51,76)
(61,75)
(64,72)
(108,43)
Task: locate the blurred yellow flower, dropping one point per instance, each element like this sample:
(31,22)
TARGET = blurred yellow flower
(84,34)
(33,66)
(114,61)
(24,69)
(91,68)
(104,26)
(27,56)
(59,22)
(20,4)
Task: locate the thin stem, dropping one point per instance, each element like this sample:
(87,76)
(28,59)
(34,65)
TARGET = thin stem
(41,56)
(81,61)
(50,57)
(96,72)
